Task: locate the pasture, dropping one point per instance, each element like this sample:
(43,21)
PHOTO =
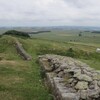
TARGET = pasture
(70,36)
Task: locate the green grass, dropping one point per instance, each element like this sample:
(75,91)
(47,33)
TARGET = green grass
(21,80)
(93,63)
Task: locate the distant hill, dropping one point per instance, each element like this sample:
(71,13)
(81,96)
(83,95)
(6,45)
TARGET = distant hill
(46,28)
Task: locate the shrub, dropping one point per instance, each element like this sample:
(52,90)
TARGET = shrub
(80,34)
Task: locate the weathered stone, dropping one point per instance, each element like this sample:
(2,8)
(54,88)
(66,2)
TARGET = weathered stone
(99,83)
(91,86)
(65,71)
(48,68)
(83,77)
(79,63)
(73,70)
(69,81)
(94,93)
(70,96)
(96,76)
(96,85)
(83,94)
(87,72)
(87,68)
(60,74)
(57,70)
(81,85)
(56,65)
(64,66)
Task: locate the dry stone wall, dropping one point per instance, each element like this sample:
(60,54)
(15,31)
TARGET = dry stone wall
(21,51)
(70,79)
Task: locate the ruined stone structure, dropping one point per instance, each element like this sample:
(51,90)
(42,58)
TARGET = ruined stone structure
(21,51)
(70,79)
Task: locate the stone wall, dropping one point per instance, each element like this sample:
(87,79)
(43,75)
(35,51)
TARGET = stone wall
(21,51)
(70,79)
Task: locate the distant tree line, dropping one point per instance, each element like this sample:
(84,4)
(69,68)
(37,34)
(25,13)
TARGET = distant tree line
(18,33)
(95,31)
(87,31)
(24,34)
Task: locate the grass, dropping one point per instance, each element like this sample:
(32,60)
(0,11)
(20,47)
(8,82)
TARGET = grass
(21,80)
(93,63)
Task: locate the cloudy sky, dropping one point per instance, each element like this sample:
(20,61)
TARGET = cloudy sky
(49,12)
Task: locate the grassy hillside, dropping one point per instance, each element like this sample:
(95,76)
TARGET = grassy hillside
(21,80)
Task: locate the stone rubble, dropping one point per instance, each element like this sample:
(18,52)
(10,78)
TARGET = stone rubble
(70,79)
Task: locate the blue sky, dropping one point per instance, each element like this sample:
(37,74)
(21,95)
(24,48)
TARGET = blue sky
(49,12)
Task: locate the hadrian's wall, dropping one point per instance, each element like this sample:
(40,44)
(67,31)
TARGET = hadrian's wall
(70,79)
(21,51)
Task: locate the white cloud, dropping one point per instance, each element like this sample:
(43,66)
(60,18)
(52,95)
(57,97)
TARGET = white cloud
(49,12)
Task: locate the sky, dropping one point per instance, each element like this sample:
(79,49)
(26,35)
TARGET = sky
(50,13)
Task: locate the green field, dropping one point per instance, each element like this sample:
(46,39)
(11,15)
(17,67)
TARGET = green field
(21,80)
(70,36)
